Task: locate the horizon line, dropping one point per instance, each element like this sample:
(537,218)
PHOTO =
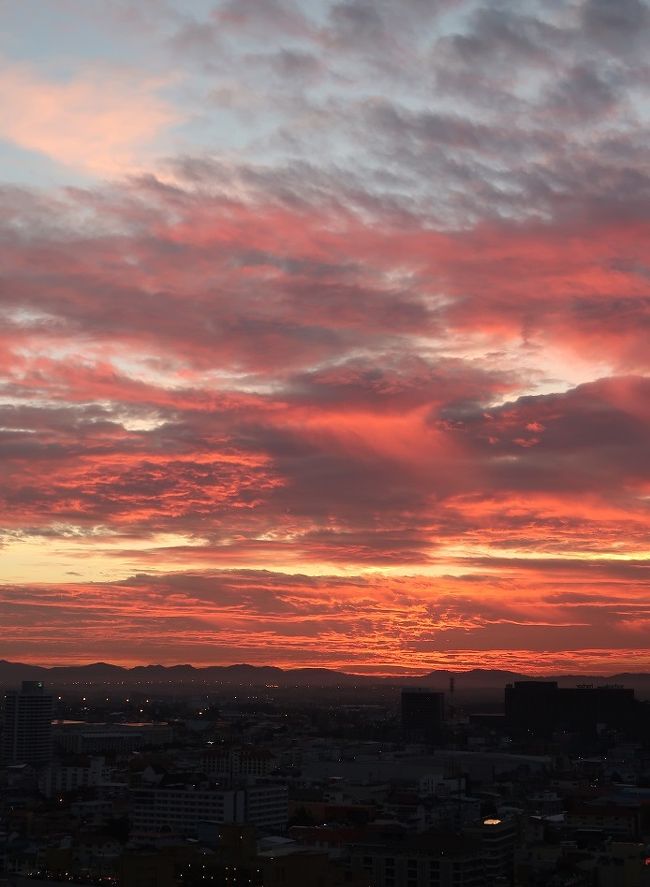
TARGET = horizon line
(342,670)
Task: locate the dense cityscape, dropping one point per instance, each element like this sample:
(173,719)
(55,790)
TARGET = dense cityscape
(159,783)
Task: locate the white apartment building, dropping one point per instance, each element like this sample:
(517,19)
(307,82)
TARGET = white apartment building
(238,761)
(178,809)
(72,774)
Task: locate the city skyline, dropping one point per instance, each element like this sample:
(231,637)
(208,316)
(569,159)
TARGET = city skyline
(324,334)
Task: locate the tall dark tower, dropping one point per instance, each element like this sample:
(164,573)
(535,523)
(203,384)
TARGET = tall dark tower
(423,713)
(27,725)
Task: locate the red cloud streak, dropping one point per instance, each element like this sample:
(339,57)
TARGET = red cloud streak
(323,438)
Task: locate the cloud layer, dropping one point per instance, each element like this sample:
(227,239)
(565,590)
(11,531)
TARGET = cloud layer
(359,374)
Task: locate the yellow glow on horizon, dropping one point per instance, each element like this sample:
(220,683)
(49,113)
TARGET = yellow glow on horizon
(79,559)
(566,554)
(106,557)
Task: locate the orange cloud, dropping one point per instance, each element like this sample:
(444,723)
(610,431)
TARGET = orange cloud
(206,385)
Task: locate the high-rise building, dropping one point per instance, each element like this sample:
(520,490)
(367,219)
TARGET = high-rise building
(27,725)
(539,707)
(423,712)
(497,838)
(530,707)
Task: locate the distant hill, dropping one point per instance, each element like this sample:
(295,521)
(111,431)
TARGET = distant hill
(12,673)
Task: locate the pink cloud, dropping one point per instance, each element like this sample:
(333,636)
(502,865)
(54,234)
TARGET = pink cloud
(292,390)
(104,122)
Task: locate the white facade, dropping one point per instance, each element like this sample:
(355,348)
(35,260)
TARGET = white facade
(236,762)
(179,809)
(60,776)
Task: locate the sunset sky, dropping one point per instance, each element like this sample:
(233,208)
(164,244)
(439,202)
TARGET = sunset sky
(325,333)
